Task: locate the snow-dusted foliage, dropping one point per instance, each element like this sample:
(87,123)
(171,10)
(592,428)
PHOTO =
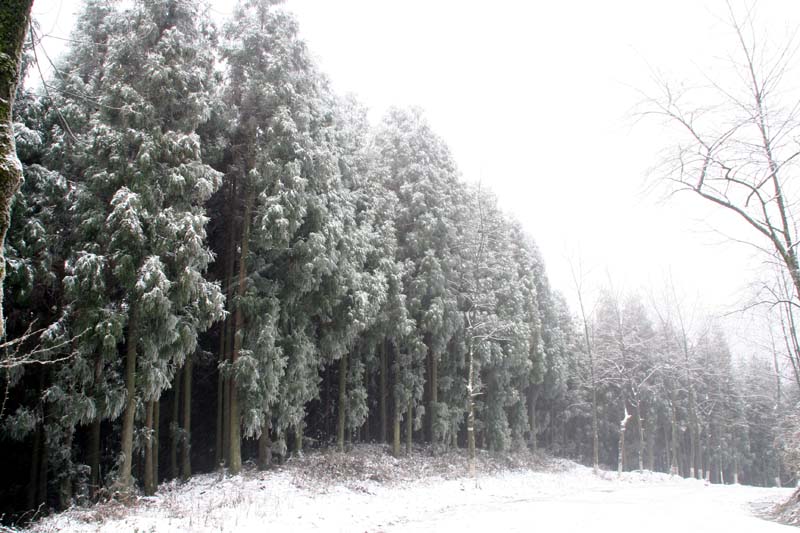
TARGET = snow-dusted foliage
(227,261)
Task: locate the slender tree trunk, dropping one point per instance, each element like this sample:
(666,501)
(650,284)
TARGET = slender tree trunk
(623,424)
(298,438)
(175,433)
(94,456)
(667,448)
(226,333)
(65,484)
(156,439)
(533,396)
(396,433)
(673,468)
(595,430)
(342,408)
(264,447)
(651,441)
(14,22)
(383,392)
(434,397)
(219,453)
(235,460)
(640,427)
(94,436)
(409,427)
(124,478)
(186,448)
(149,483)
(470,412)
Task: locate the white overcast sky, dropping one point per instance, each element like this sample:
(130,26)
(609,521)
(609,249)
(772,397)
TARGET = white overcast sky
(537,100)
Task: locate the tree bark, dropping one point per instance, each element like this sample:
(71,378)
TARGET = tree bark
(175,433)
(640,427)
(383,393)
(14,22)
(533,396)
(65,484)
(124,478)
(149,483)
(409,428)
(470,413)
(235,450)
(298,439)
(673,467)
(623,425)
(219,454)
(396,433)
(264,447)
(186,441)
(342,408)
(156,441)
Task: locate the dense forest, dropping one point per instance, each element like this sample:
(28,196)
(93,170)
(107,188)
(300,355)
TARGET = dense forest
(215,259)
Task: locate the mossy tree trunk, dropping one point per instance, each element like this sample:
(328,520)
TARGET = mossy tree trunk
(14,21)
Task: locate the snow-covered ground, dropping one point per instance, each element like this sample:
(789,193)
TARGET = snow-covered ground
(566,497)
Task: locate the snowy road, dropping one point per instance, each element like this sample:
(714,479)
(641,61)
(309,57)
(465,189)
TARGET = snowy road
(572,499)
(672,507)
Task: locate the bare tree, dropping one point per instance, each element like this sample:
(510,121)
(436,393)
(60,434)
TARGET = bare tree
(740,154)
(578,281)
(741,151)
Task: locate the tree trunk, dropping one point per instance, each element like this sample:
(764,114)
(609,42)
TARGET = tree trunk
(149,483)
(298,439)
(640,427)
(409,428)
(65,484)
(651,441)
(623,425)
(342,407)
(124,478)
(219,454)
(433,396)
(14,22)
(235,451)
(470,413)
(396,433)
(94,457)
(226,334)
(186,441)
(533,396)
(175,426)
(667,448)
(595,430)
(157,435)
(383,393)
(673,468)
(264,447)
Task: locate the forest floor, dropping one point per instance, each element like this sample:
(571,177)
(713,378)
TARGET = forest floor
(367,490)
